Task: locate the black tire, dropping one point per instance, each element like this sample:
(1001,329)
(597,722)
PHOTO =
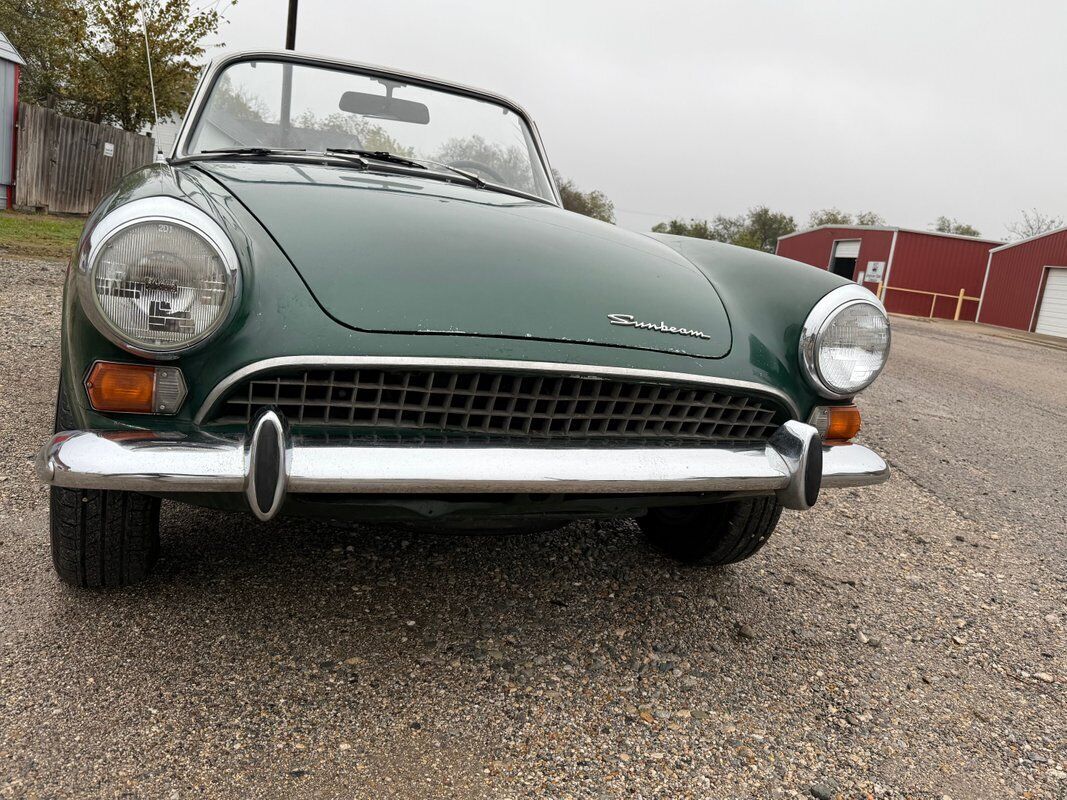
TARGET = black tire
(101,539)
(712,535)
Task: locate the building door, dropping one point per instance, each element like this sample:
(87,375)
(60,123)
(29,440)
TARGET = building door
(1052,318)
(843,258)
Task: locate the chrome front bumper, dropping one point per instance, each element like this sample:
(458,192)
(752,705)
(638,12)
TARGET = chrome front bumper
(267,464)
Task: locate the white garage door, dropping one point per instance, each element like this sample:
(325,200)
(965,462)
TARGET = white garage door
(847,249)
(1052,318)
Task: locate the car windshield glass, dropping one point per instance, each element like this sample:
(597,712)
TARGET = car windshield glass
(274,104)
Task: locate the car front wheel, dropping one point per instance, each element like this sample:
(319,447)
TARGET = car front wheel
(712,535)
(101,538)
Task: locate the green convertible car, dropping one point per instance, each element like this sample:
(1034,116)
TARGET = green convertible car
(352,292)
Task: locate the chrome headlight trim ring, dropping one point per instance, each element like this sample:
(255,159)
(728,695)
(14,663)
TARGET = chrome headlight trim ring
(815,325)
(167,210)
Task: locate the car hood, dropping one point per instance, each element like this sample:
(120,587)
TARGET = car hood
(396,253)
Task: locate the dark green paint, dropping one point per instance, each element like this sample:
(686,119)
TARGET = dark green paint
(765,297)
(400,254)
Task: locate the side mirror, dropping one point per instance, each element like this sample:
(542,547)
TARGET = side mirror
(384,107)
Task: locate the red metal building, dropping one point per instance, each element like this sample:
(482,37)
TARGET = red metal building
(1026,285)
(919,272)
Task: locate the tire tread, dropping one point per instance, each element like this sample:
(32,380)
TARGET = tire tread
(713,535)
(100,538)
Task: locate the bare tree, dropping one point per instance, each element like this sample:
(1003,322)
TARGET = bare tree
(1033,223)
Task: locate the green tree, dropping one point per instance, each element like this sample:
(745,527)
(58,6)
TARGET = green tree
(829,216)
(759,228)
(696,228)
(87,57)
(46,33)
(870,218)
(111,79)
(946,225)
(764,227)
(835,216)
(593,203)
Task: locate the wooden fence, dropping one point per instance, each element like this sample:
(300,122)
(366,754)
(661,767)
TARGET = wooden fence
(66,165)
(934,297)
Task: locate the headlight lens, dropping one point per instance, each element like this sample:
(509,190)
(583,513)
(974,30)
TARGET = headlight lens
(159,284)
(852,348)
(845,342)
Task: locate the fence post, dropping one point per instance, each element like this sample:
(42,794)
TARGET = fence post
(879,292)
(959,305)
(933,305)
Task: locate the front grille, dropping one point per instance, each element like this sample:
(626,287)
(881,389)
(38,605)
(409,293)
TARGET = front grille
(497,404)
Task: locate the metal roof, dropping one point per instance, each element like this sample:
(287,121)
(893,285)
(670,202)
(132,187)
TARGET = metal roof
(892,228)
(8,51)
(1052,232)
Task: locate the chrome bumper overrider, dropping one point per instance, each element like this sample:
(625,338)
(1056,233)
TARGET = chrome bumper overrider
(267,464)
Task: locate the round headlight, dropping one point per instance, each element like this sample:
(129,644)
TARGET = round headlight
(159,277)
(845,342)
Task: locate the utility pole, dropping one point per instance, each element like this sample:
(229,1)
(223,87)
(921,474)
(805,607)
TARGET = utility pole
(290,28)
(287,74)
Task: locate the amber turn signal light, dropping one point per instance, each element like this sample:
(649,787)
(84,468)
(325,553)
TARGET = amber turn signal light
(135,388)
(836,424)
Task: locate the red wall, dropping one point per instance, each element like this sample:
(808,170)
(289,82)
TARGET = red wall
(937,264)
(815,247)
(927,262)
(1015,276)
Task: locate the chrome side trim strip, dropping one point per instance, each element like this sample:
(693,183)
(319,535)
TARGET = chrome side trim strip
(314,362)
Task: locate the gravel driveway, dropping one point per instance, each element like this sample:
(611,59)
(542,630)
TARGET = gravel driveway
(902,641)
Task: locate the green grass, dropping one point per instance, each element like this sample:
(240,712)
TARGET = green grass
(38,235)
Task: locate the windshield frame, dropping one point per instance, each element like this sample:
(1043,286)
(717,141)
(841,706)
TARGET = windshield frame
(216,67)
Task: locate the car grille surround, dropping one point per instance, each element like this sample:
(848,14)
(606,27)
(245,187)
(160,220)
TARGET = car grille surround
(501,404)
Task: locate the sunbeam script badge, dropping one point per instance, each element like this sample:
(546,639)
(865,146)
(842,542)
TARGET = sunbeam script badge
(629,321)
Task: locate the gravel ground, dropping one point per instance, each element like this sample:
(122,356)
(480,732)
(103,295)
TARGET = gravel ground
(901,641)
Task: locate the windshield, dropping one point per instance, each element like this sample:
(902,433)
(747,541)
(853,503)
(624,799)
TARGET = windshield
(299,106)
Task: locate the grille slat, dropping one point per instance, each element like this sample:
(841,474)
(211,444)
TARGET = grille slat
(502,404)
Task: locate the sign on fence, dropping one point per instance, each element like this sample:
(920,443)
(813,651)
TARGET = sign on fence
(66,165)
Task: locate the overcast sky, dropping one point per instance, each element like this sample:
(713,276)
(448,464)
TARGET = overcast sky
(910,109)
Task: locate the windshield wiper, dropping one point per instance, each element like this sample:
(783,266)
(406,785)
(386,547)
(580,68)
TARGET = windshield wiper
(393,158)
(283,152)
(377,155)
(474,179)
(254,151)
(357,157)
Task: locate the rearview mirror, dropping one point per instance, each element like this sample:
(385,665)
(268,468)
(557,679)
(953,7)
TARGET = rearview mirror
(384,107)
